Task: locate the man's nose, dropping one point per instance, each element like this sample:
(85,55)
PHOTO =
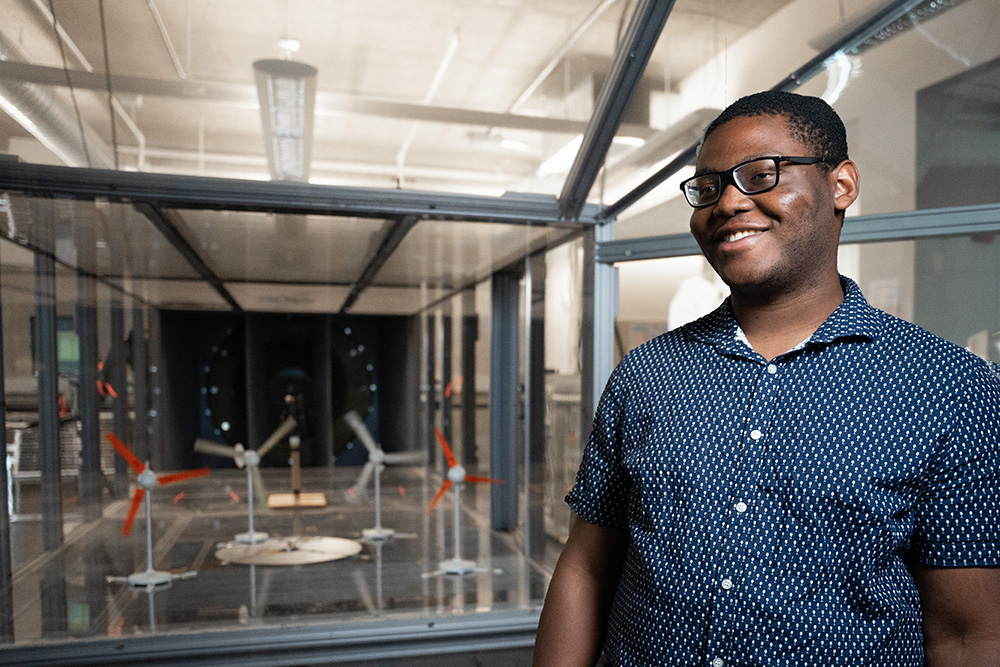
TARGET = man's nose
(732,199)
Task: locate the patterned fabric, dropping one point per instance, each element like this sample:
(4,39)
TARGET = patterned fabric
(771,506)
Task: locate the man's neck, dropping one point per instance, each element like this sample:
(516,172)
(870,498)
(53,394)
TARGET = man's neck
(775,325)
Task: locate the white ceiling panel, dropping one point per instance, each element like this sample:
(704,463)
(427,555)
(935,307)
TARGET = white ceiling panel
(288,298)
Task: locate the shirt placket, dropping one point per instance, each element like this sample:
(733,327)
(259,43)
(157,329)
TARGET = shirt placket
(743,500)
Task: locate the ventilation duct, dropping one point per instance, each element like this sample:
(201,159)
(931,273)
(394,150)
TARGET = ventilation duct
(50,119)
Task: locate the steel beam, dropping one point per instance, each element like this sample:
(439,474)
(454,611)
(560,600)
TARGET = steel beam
(200,192)
(504,408)
(333,643)
(600,299)
(897,226)
(164,223)
(626,71)
(390,241)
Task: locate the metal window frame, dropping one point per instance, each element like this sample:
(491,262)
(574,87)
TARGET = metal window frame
(897,226)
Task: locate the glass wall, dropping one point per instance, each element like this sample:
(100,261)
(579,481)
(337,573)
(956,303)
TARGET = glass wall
(193,330)
(194,364)
(947,284)
(918,99)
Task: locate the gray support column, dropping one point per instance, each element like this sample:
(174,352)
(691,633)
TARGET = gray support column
(46,365)
(118,377)
(155,443)
(470,334)
(6,567)
(430,397)
(446,379)
(504,408)
(140,384)
(89,481)
(90,430)
(534,406)
(600,308)
(52,594)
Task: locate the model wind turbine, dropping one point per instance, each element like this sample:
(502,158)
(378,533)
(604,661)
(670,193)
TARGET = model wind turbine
(249,459)
(375,465)
(456,477)
(145,480)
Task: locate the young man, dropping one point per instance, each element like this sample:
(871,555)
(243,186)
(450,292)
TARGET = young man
(796,478)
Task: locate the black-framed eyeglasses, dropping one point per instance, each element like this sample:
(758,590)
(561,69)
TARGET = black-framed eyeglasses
(751,178)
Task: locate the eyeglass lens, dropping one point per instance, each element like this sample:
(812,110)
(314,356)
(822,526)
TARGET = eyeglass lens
(750,178)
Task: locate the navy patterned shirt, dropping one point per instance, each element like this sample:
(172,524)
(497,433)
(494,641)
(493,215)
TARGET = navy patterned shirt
(772,507)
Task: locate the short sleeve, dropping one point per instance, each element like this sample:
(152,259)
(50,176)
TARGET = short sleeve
(958,520)
(602,484)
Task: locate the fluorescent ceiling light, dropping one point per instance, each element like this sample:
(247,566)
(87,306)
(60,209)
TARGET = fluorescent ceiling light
(634,142)
(287,93)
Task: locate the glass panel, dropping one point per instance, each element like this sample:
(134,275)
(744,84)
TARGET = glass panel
(106,239)
(252,246)
(453,254)
(917,99)
(446,97)
(657,295)
(563,365)
(176,363)
(397,300)
(947,285)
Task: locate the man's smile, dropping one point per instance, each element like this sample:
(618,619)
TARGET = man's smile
(736,236)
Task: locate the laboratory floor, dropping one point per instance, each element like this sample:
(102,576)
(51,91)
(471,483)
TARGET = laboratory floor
(79,593)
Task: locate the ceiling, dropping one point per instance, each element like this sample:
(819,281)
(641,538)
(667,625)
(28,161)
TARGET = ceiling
(451,96)
(436,94)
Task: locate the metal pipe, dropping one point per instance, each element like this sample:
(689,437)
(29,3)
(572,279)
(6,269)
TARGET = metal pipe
(140,138)
(559,55)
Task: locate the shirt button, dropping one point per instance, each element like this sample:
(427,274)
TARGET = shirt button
(741,507)
(755,434)
(718,662)
(727,584)
(772,369)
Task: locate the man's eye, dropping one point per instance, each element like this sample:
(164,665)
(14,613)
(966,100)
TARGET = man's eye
(764,176)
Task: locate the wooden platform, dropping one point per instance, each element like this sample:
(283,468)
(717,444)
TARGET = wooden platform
(277,501)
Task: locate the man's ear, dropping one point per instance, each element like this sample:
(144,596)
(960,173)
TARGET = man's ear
(847,185)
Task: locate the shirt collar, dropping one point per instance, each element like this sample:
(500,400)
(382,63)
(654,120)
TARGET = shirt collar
(853,318)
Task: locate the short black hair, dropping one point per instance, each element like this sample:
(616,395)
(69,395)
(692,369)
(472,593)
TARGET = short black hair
(812,121)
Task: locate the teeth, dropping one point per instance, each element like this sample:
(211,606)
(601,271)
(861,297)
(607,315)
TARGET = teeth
(729,238)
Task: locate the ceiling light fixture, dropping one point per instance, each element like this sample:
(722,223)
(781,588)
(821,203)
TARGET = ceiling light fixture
(287,93)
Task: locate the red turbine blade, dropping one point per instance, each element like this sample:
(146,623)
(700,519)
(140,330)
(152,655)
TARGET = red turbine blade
(488,480)
(447,450)
(132,510)
(437,497)
(126,453)
(178,476)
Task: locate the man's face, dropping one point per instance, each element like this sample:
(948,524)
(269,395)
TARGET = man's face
(774,242)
